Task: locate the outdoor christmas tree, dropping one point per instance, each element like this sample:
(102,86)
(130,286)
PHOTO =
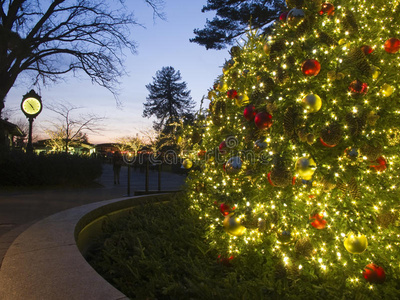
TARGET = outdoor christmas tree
(298,165)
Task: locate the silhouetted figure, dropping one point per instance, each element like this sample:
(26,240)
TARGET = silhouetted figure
(117,164)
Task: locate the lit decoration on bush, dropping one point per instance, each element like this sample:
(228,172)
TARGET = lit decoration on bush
(313,168)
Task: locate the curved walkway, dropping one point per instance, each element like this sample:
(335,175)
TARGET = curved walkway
(22,209)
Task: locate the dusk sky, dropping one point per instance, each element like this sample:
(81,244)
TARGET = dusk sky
(161,43)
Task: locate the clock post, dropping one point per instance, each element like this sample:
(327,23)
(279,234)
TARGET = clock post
(31,106)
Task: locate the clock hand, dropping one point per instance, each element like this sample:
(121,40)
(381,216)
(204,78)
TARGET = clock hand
(31,105)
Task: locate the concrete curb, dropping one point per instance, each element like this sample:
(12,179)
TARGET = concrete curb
(44,261)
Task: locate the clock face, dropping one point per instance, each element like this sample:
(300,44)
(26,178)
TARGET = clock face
(31,106)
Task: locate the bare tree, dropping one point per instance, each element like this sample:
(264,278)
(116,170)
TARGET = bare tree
(51,38)
(70,128)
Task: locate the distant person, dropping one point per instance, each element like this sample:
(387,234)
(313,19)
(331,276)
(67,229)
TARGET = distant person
(117,164)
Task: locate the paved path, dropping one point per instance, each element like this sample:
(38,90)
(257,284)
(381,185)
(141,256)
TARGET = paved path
(21,208)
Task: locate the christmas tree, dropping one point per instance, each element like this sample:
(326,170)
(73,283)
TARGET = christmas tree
(298,166)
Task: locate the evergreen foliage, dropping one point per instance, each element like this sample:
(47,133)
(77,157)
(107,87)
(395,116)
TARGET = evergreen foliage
(233,18)
(322,177)
(168,99)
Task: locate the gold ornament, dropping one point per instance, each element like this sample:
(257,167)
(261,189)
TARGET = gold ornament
(242,99)
(387,90)
(375,72)
(233,226)
(187,164)
(312,103)
(267,48)
(355,244)
(305,168)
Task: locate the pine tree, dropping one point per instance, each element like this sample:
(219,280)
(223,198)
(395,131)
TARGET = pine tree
(168,99)
(300,153)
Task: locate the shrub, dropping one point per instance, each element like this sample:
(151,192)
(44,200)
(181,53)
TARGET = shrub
(21,169)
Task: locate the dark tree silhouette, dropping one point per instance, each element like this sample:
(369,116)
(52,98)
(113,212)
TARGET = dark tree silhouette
(54,37)
(233,18)
(168,100)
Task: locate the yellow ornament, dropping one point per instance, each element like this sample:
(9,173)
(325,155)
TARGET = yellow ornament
(387,90)
(211,95)
(242,99)
(355,244)
(187,164)
(266,48)
(375,72)
(233,226)
(178,139)
(305,167)
(312,103)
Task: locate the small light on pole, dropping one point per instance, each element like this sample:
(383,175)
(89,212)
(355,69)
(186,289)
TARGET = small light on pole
(31,106)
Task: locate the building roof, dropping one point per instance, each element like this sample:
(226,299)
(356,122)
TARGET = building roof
(12,128)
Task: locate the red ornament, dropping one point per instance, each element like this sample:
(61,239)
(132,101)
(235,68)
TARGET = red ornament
(201,153)
(366,49)
(392,45)
(263,120)
(222,147)
(269,179)
(327,8)
(232,94)
(325,144)
(381,164)
(358,87)
(249,112)
(318,222)
(226,261)
(374,273)
(311,67)
(225,209)
(283,16)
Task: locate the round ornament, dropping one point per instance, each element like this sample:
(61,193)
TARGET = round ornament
(225,209)
(187,163)
(222,148)
(312,103)
(375,72)
(355,244)
(283,16)
(327,8)
(311,67)
(305,167)
(387,90)
(267,48)
(295,16)
(374,273)
(249,112)
(234,165)
(392,45)
(263,120)
(319,222)
(232,94)
(367,49)
(284,236)
(242,99)
(260,145)
(233,226)
(358,87)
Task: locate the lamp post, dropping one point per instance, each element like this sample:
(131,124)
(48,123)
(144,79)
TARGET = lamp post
(31,106)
